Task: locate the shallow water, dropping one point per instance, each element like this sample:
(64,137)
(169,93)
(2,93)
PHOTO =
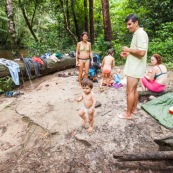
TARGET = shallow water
(7,54)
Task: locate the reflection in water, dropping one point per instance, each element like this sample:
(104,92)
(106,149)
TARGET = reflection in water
(7,54)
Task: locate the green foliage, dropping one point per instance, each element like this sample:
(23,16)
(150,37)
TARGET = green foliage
(3,18)
(118,59)
(162,48)
(100,46)
(169,65)
(6,84)
(156,21)
(163,43)
(3,23)
(118,12)
(154,13)
(3,30)
(47,20)
(165,31)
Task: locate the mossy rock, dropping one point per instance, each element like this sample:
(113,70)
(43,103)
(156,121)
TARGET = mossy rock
(6,84)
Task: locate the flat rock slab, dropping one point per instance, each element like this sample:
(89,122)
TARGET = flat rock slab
(51,106)
(5,102)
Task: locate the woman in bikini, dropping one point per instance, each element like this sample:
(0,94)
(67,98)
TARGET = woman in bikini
(156,79)
(83,56)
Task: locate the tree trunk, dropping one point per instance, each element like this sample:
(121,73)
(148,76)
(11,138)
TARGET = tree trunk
(67,12)
(66,23)
(91,13)
(86,15)
(157,155)
(75,19)
(11,27)
(27,21)
(65,63)
(35,8)
(106,20)
(165,143)
(149,93)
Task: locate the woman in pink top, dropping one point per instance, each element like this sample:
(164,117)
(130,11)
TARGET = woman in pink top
(155,79)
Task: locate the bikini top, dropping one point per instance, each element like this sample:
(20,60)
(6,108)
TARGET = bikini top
(157,75)
(82,48)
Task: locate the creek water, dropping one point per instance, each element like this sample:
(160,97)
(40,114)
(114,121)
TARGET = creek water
(7,54)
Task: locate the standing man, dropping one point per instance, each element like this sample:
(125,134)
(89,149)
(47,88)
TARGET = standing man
(135,66)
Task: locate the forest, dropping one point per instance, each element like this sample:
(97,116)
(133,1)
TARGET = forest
(40,126)
(56,25)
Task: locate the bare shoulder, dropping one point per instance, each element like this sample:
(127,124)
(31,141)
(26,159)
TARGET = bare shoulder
(89,43)
(83,94)
(155,69)
(105,57)
(92,94)
(163,66)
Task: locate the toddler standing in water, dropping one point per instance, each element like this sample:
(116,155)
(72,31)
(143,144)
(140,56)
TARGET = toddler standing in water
(89,101)
(107,64)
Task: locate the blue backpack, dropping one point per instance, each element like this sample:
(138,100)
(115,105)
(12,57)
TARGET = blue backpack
(91,72)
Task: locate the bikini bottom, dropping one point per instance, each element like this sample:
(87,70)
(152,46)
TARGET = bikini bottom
(84,60)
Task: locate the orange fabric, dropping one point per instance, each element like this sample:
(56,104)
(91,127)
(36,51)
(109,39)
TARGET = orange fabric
(106,69)
(37,59)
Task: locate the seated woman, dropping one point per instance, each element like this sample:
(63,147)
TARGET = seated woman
(155,80)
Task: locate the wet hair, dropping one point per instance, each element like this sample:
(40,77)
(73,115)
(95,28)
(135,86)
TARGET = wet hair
(84,33)
(132,17)
(110,52)
(87,82)
(158,58)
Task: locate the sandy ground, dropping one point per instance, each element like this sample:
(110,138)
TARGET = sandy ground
(40,131)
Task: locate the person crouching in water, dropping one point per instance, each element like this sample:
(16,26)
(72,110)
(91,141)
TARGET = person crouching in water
(89,101)
(107,64)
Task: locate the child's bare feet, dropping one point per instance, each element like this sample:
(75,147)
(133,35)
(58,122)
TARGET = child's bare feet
(101,89)
(90,129)
(83,123)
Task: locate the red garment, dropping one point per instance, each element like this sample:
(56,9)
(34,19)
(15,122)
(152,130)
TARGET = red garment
(37,59)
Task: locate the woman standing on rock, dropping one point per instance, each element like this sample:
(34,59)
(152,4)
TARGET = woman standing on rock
(83,56)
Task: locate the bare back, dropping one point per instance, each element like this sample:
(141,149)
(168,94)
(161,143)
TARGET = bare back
(162,79)
(108,61)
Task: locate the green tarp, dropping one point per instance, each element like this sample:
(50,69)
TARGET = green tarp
(158,108)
